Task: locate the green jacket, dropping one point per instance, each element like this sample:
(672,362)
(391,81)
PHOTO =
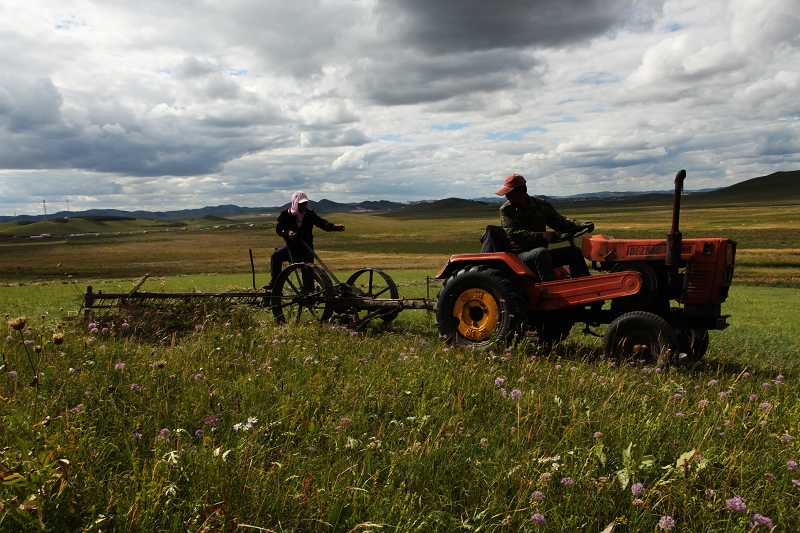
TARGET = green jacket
(525,226)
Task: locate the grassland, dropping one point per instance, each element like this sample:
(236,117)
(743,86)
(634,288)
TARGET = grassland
(238,424)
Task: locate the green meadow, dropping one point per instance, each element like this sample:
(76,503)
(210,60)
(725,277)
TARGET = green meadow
(216,418)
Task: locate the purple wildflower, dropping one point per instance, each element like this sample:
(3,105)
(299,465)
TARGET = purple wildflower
(78,409)
(679,414)
(754,397)
(765,385)
(538,519)
(558,367)
(778,379)
(91,326)
(760,520)
(637,502)
(567,481)
(197,377)
(120,365)
(198,434)
(712,382)
(746,375)
(137,434)
(210,420)
(164,433)
(598,434)
(637,489)
(737,504)
(666,523)
(702,404)
(765,406)
(723,394)
(135,387)
(787,438)
(537,496)
(516,394)
(791,464)
(499,382)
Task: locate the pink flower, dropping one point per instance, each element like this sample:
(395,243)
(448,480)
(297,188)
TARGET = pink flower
(765,406)
(796,482)
(537,496)
(567,481)
(702,404)
(737,504)
(791,464)
(760,520)
(666,523)
(120,365)
(637,489)
(516,394)
(712,382)
(210,420)
(78,409)
(787,438)
(754,397)
(538,519)
(637,502)
(135,387)
(164,433)
(598,434)
(499,382)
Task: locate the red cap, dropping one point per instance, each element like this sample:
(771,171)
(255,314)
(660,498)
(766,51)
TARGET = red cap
(510,183)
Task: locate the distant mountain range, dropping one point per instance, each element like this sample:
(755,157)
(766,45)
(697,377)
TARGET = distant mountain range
(777,187)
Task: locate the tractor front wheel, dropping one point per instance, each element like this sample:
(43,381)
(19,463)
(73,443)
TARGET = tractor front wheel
(479,307)
(640,335)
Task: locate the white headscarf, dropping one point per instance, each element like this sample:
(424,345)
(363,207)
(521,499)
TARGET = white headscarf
(294,209)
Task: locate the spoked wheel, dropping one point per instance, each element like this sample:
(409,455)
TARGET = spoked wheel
(302,293)
(374,284)
(640,335)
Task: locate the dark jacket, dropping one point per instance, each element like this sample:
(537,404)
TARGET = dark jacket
(525,226)
(288,222)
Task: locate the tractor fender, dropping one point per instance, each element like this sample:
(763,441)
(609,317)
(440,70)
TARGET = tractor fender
(502,261)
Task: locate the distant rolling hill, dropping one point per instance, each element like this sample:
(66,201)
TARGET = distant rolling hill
(449,207)
(779,187)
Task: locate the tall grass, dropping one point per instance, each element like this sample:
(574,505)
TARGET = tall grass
(247,425)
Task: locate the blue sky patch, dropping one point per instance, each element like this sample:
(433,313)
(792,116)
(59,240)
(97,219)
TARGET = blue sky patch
(451,126)
(513,135)
(597,78)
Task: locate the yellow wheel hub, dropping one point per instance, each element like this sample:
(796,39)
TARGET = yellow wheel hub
(477,313)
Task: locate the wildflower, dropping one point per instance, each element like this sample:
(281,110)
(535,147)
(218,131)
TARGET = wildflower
(754,397)
(737,504)
(198,434)
(558,367)
(679,414)
(58,338)
(538,519)
(796,482)
(27,342)
(765,406)
(746,375)
(637,502)
(78,409)
(354,333)
(598,434)
(637,489)
(499,382)
(484,443)
(210,420)
(198,376)
(344,423)
(712,382)
(545,477)
(787,438)
(135,387)
(18,324)
(137,435)
(702,404)
(567,481)
(778,379)
(164,433)
(765,385)
(516,394)
(710,493)
(120,365)
(677,396)
(666,523)
(12,375)
(124,325)
(791,464)
(723,394)
(537,496)
(760,520)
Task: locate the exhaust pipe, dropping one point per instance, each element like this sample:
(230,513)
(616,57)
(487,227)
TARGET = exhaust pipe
(674,237)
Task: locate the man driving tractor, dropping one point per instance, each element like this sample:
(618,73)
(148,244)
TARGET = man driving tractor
(526,218)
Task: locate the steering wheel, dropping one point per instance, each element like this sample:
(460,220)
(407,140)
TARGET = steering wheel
(571,235)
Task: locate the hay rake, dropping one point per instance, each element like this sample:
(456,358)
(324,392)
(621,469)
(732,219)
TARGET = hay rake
(302,293)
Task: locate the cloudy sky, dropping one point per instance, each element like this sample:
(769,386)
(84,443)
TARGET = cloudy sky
(161,105)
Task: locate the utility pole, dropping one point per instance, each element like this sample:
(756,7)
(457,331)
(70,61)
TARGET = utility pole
(67,205)
(44,207)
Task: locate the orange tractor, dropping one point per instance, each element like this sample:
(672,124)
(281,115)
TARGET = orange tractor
(491,297)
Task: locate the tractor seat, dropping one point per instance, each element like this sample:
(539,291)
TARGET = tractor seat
(494,240)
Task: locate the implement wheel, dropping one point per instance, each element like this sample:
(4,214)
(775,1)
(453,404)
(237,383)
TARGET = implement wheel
(302,293)
(374,284)
(478,307)
(640,335)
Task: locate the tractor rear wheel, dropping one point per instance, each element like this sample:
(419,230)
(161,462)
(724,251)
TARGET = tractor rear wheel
(478,307)
(640,335)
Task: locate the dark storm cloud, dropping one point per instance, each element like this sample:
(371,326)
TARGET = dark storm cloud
(446,26)
(412,78)
(35,134)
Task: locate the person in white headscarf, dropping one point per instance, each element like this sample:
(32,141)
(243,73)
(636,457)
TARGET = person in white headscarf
(295,225)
